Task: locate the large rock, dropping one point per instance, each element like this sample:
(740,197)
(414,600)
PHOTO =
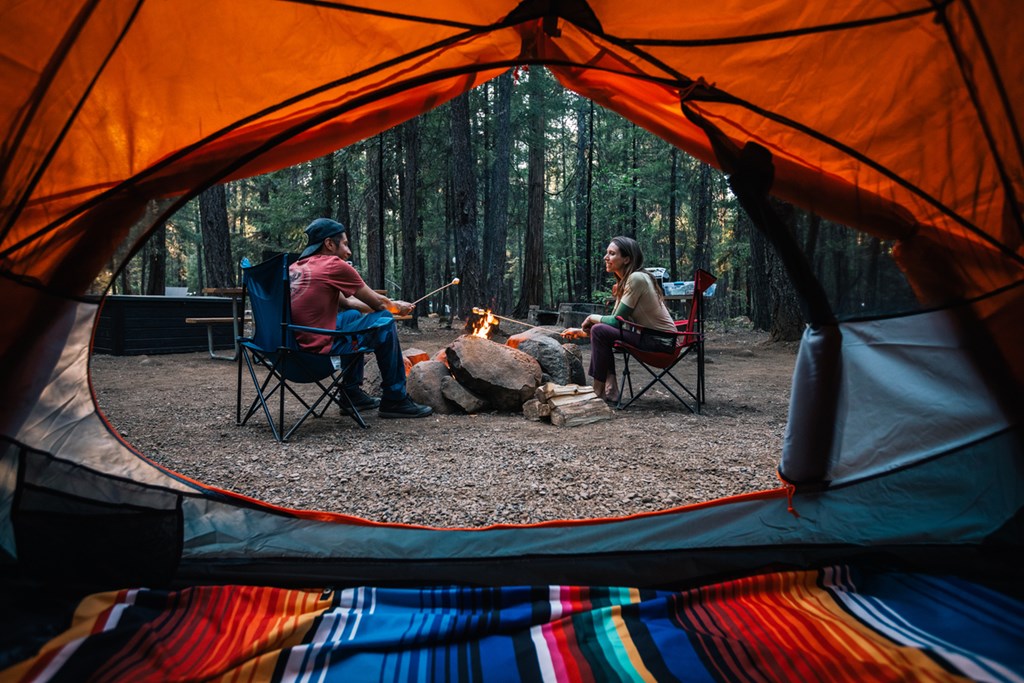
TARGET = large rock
(563,365)
(424,385)
(461,396)
(547,332)
(577,374)
(504,376)
(553,359)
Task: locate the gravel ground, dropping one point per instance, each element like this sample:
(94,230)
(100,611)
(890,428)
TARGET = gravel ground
(465,470)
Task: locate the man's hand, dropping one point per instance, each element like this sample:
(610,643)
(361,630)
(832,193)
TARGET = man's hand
(398,307)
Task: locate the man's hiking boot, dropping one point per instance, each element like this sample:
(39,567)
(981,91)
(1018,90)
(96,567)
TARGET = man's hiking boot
(360,399)
(404,407)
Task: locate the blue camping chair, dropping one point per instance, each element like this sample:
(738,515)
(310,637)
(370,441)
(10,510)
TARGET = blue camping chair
(274,360)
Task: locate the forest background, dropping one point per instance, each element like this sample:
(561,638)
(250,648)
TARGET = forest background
(515,188)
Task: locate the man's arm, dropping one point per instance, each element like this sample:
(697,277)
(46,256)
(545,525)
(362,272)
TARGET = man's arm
(350,302)
(379,302)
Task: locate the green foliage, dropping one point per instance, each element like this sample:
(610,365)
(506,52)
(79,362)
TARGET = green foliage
(629,193)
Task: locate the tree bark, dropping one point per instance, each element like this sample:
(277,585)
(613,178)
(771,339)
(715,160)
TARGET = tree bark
(464,211)
(412,274)
(154,262)
(584,254)
(532,290)
(758,275)
(701,216)
(154,269)
(213,217)
(673,183)
(374,272)
(343,172)
(496,219)
(787,323)
(323,185)
(634,183)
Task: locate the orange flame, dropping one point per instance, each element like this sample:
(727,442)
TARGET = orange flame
(482,326)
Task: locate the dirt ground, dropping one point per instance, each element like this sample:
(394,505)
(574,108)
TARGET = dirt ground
(465,470)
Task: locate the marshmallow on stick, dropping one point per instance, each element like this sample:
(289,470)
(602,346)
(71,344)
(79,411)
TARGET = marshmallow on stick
(454,281)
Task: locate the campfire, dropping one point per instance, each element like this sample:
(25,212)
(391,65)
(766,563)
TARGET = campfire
(481,323)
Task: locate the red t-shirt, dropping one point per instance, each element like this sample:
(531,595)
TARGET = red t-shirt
(316,283)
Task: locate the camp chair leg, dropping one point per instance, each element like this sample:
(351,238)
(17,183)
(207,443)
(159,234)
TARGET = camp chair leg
(261,397)
(659,379)
(627,380)
(332,393)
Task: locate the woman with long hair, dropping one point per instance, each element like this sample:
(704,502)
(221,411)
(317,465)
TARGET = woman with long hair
(638,299)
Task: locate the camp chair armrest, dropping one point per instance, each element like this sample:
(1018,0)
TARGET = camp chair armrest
(332,333)
(647,331)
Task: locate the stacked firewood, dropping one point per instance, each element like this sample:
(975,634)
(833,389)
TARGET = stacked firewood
(566,405)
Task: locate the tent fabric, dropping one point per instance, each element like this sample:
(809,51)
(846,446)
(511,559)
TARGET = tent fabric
(900,119)
(919,138)
(837,623)
(948,508)
(918,366)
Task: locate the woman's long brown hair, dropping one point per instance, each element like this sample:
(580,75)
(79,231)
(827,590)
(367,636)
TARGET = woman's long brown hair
(630,248)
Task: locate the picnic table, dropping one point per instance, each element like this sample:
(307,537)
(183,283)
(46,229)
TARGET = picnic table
(237,319)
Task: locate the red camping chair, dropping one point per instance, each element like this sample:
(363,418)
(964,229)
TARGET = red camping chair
(689,336)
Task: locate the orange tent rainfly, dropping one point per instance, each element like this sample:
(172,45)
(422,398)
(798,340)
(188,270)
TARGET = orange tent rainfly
(901,119)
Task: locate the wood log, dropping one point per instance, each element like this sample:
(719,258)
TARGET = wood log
(580,413)
(536,410)
(546,391)
(568,399)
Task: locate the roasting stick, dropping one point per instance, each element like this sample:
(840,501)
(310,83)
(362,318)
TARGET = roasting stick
(481,311)
(454,281)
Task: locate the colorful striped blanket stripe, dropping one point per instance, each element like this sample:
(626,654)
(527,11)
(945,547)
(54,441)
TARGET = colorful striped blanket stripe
(838,623)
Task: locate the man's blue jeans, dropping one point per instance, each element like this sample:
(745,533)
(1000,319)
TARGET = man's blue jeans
(383,339)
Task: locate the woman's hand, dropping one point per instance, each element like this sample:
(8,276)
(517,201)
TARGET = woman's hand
(590,321)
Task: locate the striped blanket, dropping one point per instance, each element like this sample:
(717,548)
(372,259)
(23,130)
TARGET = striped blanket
(834,624)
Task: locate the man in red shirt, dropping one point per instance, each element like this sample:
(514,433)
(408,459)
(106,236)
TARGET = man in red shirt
(327,292)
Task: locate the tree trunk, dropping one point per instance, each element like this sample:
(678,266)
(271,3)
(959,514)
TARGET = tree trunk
(787,319)
(673,182)
(412,276)
(532,291)
(213,217)
(634,183)
(701,217)
(344,210)
(155,268)
(323,185)
(153,279)
(589,251)
(496,220)
(758,275)
(584,255)
(464,209)
(374,275)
